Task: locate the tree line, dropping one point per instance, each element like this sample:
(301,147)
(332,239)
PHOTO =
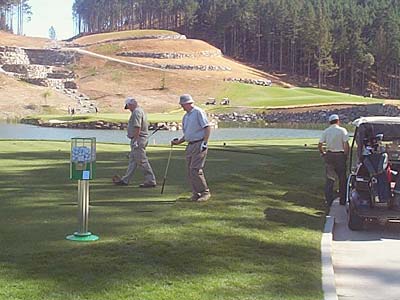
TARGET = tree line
(12,15)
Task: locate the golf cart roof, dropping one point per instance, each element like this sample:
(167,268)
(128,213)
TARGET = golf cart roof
(377,120)
(369,127)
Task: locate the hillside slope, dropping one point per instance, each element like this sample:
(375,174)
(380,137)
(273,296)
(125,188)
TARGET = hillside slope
(158,90)
(18,99)
(12,40)
(108,83)
(155,66)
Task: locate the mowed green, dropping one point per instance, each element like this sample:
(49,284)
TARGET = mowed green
(249,95)
(257,238)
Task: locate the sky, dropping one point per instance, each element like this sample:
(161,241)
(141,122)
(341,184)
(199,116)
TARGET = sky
(47,13)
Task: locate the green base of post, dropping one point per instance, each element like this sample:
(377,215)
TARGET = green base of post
(82,237)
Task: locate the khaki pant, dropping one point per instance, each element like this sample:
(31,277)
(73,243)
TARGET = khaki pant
(138,158)
(195,161)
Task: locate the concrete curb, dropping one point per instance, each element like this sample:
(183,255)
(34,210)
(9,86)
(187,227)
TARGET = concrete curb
(328,275)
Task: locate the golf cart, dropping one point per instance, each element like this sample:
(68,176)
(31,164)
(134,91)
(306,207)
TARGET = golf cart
(373,186)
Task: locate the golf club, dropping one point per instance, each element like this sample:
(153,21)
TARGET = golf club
(157,129)
(166,170)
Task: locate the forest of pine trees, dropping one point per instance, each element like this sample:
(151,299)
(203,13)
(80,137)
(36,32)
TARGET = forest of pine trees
(353,45)
(12,14)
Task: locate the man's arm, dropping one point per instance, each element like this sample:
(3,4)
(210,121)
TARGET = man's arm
(346,148)
(321,148)
(135,134)
(177,141)
(207,132)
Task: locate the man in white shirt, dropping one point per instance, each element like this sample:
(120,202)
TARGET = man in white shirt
(196,132)
(334,148)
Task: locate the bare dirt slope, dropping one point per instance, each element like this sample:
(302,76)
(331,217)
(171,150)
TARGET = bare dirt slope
(12,40)
(18,99)
(108,83)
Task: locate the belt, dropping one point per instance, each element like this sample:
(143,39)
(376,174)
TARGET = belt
(193,142)
(335,152)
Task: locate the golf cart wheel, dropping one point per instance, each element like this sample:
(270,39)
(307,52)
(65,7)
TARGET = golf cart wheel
(350,186)
(354,221)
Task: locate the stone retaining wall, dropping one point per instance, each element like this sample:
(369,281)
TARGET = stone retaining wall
(51,57)
(13,56)
(283,116)
(312,116)
(47,57)
(27,71)
(171,126)
(191,67)
(263,82)
(46,68)
(171,55)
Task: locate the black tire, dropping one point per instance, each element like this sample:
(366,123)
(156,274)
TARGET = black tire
(354,221)
(349,187)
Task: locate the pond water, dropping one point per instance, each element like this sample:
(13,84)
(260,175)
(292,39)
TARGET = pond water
(23,131)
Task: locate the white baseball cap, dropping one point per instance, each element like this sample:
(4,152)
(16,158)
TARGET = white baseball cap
(333,117)
(128,101)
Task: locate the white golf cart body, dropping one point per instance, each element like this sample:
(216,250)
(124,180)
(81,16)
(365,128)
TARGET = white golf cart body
(372,195)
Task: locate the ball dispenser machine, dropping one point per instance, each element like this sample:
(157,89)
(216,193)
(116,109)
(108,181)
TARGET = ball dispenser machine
(82,168)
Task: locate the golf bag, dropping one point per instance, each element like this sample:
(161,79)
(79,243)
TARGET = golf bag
(376,164)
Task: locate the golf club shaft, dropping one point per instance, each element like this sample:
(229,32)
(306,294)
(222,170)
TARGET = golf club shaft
(166,170)
(155,130)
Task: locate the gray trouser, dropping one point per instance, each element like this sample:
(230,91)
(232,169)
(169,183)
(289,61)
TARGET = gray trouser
(138,158)
(195,160)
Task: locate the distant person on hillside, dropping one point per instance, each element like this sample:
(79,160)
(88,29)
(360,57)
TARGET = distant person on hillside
(334,148)
(138,134)
(196,132)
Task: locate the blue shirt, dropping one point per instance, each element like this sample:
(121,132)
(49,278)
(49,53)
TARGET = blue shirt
(193,124)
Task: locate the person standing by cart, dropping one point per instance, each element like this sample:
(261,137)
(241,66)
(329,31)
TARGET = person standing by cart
(138,134)
(196,132)
(334,148)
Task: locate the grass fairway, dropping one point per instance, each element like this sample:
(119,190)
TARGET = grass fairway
(258,237)
(259,96)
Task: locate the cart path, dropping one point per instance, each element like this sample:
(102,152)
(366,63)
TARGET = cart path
(366,263)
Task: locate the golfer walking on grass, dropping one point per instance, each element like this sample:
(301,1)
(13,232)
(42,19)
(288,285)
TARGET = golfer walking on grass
(196,132)
(335,153)
(138,133)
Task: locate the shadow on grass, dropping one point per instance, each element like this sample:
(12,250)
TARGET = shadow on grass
(163,241)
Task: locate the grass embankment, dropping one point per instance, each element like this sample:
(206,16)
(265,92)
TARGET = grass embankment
(244,98)
(109,36)
(258,237)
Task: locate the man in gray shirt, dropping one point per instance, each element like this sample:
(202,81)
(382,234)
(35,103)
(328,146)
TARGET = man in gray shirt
(196,132)
(334,148)
(138,134)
